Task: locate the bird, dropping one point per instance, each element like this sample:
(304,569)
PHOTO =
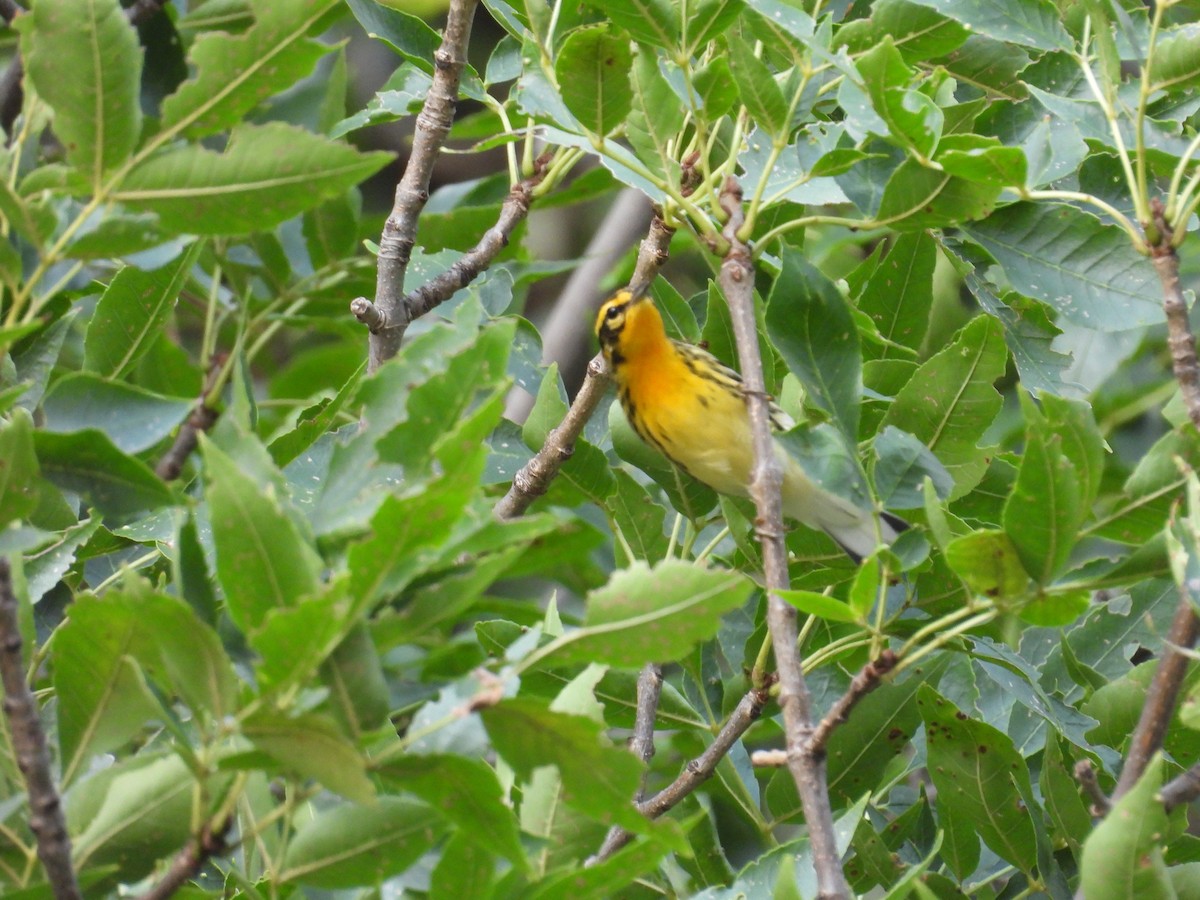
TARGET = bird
(688,405)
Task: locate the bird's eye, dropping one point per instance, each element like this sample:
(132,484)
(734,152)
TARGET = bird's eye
(613,312)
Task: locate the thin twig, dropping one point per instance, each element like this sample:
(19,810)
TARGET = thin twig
(806,763)
(649,689)
(1159,707)
(867,679)
(1172,665)
(46,818)
(400,231)
(188,862)
(1180,339)
(695,773)
(641,745)
(1085,774)
(1183,788)
(464,270)
(535,476)
(202,417)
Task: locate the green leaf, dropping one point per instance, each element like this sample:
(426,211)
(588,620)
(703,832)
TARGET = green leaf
(1046,507)
(18,468)
(464,869)
(406,534)
(84,60)
(1176,61)
(1029,334)
(315,421)
(351,845)
(1030,23)
(136,812)
(88,463)
(133,419)
(358,690)
(1087,270)
(598,779)
(131,314)
(1151,490)
(983,159)
(917,197)
(981,776)
(708,19)
(267,174)
(593,73)
(467,793)
(35,359)
(756,86)
(949,402)
(656,117)
(29,219)
(810,324)
(310,746)
(102,698)
(46,566)
(652,22)
(899,294)
(919,33)
(645,614)
(638,519)
(989,564)
(234,73)
(913,119)
(1123,856)
(263,562)
(902,466)
(813,604)
(405,33)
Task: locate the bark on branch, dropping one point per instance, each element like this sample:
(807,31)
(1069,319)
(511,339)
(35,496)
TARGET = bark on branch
(188,862)
(694,774)
(806,761)
(1172,666)
(400,230)
(29,745)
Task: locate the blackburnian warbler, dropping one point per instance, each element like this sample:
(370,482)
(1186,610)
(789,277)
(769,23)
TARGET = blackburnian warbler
(688,405)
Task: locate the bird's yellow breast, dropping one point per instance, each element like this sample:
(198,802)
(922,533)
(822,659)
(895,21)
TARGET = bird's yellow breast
(696,422)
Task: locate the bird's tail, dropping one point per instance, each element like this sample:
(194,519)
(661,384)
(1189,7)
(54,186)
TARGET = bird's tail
(860,537)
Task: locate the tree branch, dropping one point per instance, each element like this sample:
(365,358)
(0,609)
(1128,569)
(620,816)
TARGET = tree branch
(1085,774)
(1159,707)
(188,862)
(400,230)
(649,689)
(1172,666)
(465,269)
(695,773)
(535,476)
(805,761)
(202,417)
(1183,788)
(29,744)
(867,679)
(1180,340)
